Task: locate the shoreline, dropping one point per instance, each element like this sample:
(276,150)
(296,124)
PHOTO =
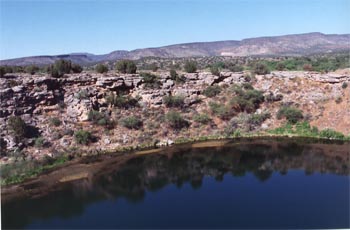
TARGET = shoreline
(140,149)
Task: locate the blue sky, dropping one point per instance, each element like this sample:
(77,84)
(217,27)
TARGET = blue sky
(66,26)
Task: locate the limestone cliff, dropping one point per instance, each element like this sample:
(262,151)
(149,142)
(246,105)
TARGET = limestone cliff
(37,99)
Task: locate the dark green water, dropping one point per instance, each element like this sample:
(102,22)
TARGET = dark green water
(254,184)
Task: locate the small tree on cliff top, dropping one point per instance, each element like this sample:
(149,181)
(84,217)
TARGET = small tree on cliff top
(126,66)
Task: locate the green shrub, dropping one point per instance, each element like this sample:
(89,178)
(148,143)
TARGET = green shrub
(344,85)
(131,122)
(240,104)
(234,67)
(256,96)
(219,64)
(68,132)
(247,86)
(126,66)
(3,147)
(150,66)
(95,116)
(82,94)
(175,120)
(76,68)
(99,118)
(83,137)
(59,68)
(54,72)
(154,67)
(293,115)
(13,83)
(17,172)
(236,89)
(31,69)
(173,101)
(55,121)
(151,81)
(181,79)
(173,74)
(247,99)
(190,66)
(56,135)
(176,77)
(17,126)
(10,69)
(16,69)
(247,78)
(148,77)
(2,71)
(215,70)
(307,67)
(121,101)
(239,122)
(280,66)
(338,100)
(260,69)
(39,142)
(100,68)
(285,129)
(331,134)
(104,121)
(212,91)
(272,98)
(202,118)
(220,110)
(304,129)
(258,119)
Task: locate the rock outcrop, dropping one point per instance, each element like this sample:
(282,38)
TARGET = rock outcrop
(37,97)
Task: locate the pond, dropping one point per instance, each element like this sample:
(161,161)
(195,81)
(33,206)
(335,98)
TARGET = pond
(264,183)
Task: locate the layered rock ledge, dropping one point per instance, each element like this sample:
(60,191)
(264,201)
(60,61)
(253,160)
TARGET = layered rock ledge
(37,98)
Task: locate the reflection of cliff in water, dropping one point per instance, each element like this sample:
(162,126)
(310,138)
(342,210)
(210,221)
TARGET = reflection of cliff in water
(177,166)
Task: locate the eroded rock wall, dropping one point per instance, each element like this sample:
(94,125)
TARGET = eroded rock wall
(36,98)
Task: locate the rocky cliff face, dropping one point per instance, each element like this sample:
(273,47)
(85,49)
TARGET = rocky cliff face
(39,98)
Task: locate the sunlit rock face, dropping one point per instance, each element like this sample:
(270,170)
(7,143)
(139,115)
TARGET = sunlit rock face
(38,98)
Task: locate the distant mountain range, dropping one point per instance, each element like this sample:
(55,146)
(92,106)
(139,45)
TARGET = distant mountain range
(287,45)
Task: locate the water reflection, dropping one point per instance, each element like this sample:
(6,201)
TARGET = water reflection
(178,166)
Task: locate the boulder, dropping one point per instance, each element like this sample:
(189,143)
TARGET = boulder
(152,97)
(40,80)
(165,142)
(168,84)
(18,89)
(65,141)
(191,76)
(107,81)
(77,109)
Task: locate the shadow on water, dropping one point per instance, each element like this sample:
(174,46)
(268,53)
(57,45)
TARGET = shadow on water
(181,165)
